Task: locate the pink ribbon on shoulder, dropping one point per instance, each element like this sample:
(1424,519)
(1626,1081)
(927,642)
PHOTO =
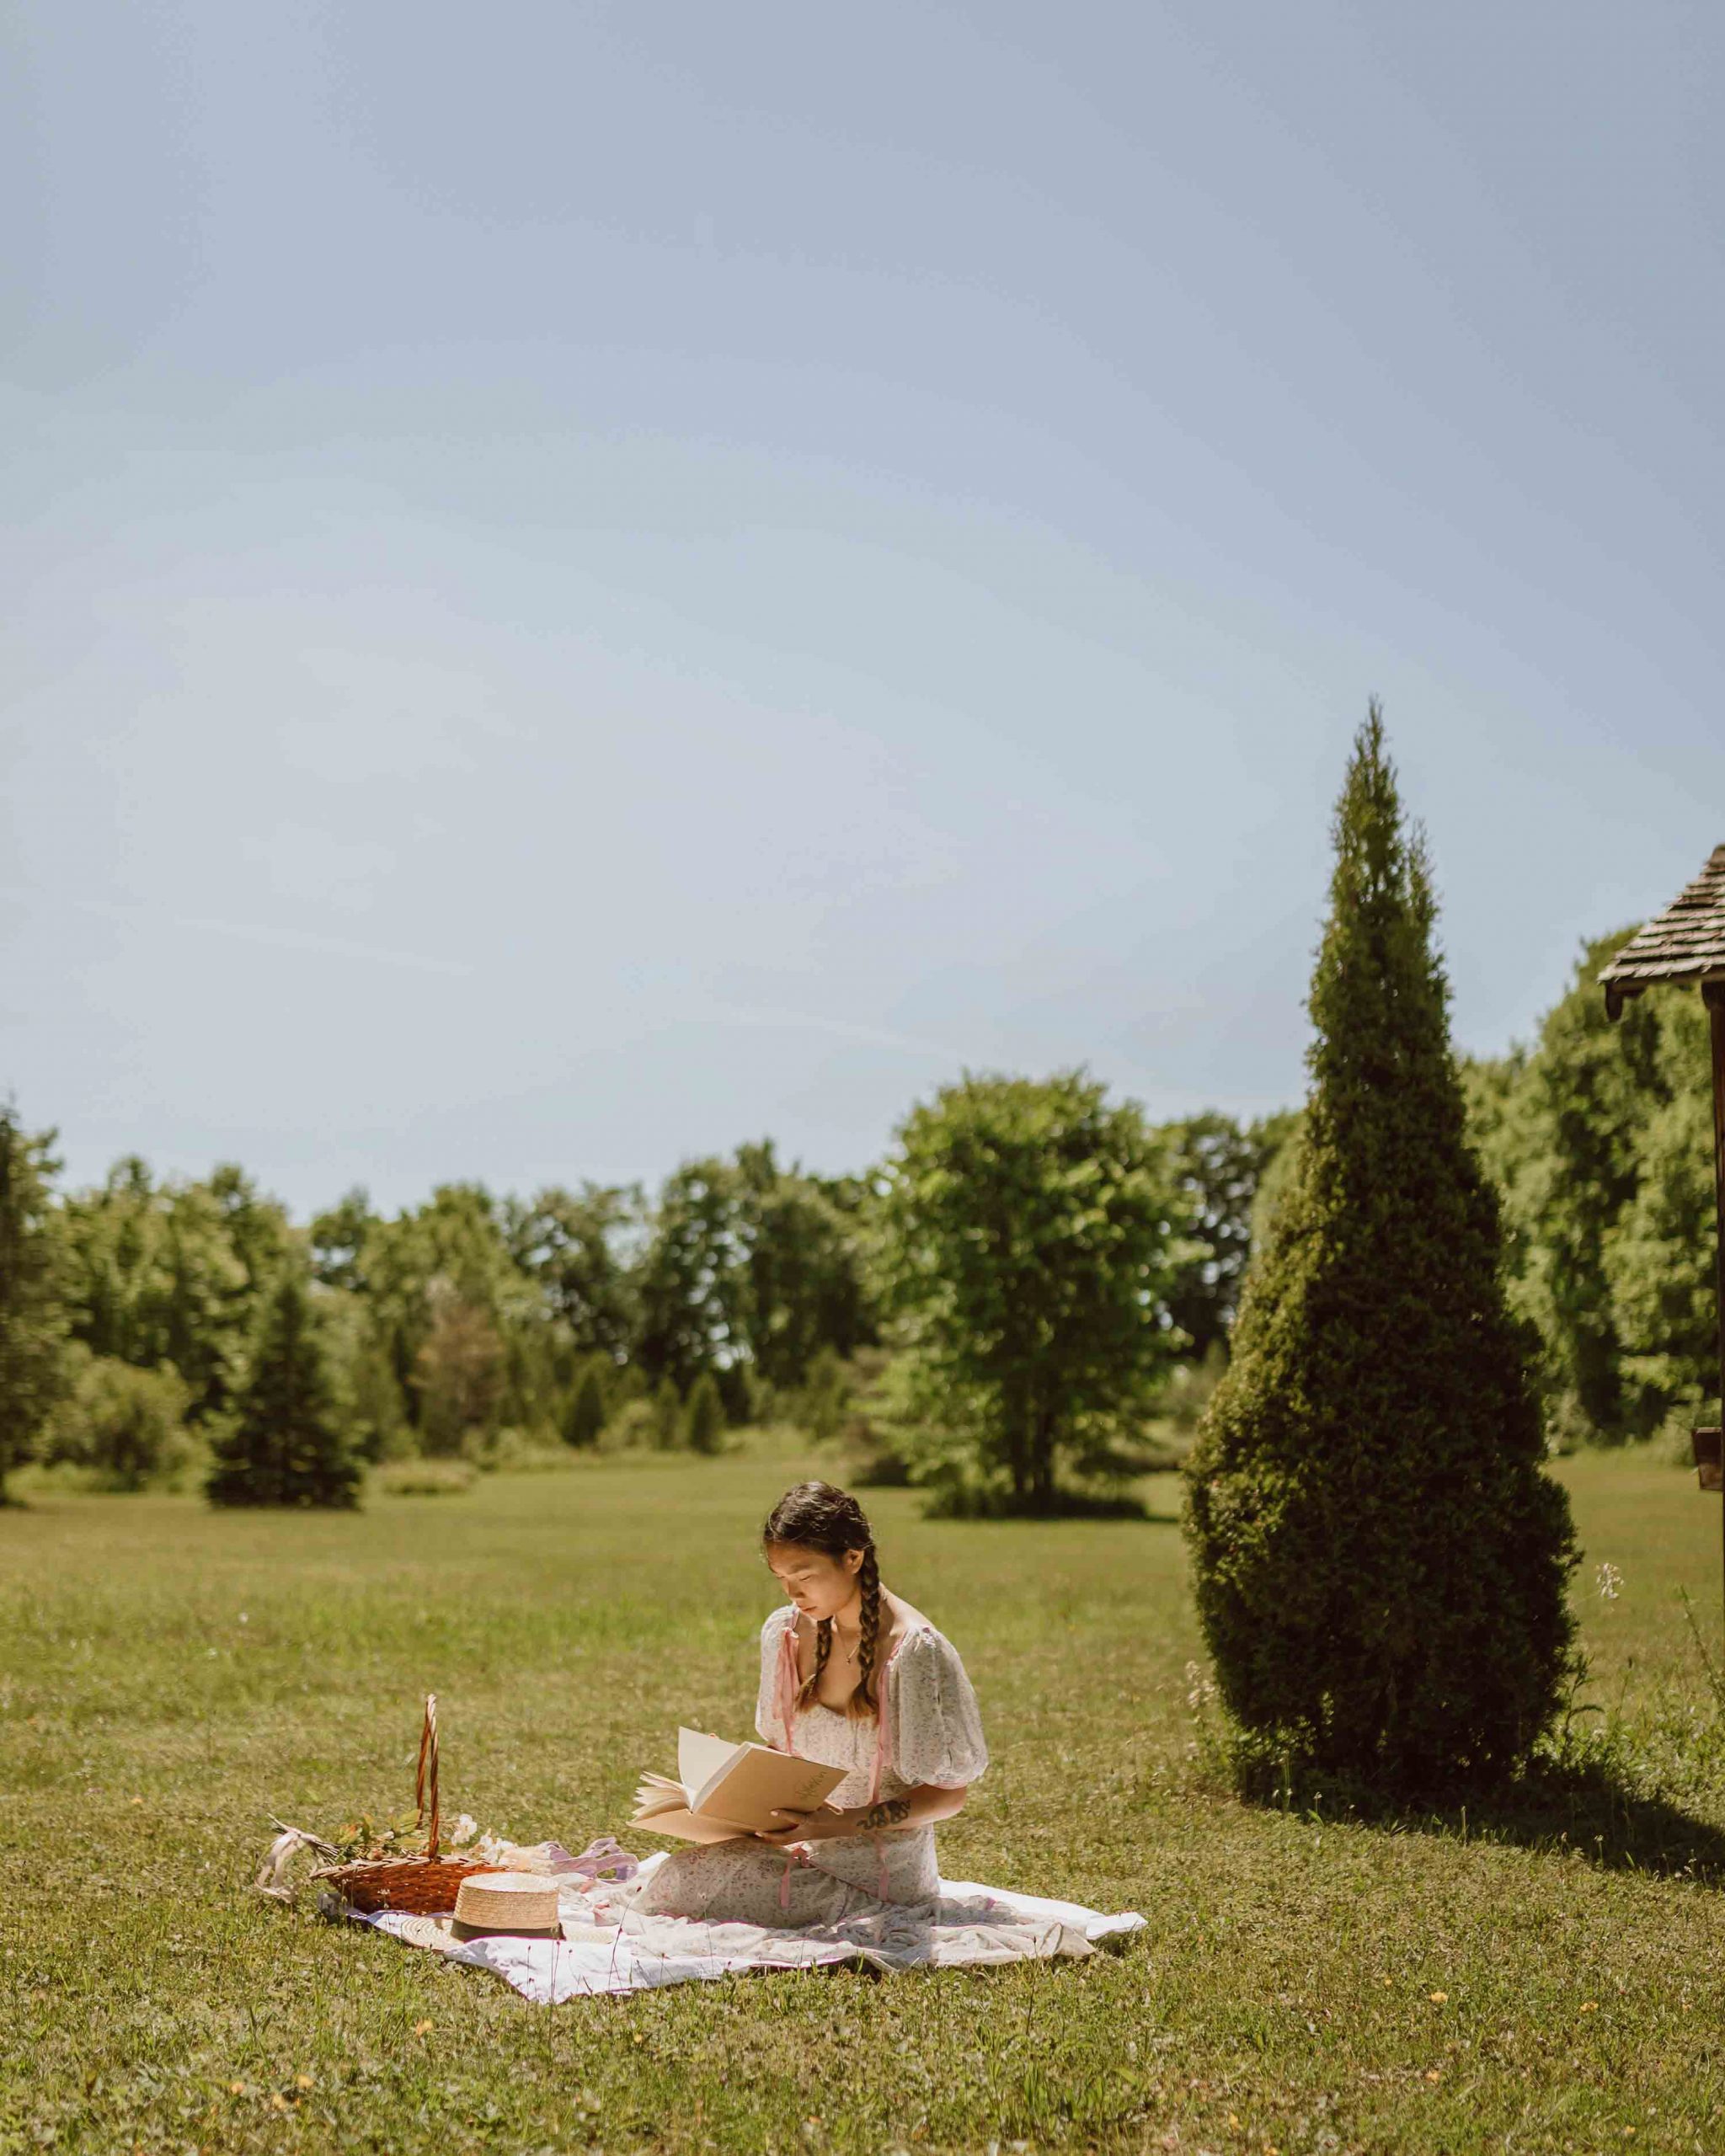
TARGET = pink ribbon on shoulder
(789,1684)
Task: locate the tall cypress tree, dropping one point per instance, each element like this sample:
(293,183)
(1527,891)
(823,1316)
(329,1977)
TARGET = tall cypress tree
(1380,1560)
(284,1447)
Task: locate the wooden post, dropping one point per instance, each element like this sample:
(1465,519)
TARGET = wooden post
(1713,996)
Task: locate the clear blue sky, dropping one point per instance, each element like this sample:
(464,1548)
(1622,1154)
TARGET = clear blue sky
(588,582)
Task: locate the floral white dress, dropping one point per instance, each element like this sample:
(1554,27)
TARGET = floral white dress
(929,1730)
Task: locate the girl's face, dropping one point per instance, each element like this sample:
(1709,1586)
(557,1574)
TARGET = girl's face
(820,1585)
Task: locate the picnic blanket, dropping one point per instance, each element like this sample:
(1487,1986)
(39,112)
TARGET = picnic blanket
(606,1946)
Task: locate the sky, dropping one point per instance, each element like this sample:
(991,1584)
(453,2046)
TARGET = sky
(588,583)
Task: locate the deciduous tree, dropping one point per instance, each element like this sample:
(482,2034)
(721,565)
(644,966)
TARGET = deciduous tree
(1029,1236)
(33,1319)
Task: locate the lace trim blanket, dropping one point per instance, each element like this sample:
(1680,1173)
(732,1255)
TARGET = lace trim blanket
(608,1947)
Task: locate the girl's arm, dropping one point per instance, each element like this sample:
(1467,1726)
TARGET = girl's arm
(925,1805)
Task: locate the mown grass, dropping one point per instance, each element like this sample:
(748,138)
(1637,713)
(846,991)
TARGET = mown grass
(1551,1976)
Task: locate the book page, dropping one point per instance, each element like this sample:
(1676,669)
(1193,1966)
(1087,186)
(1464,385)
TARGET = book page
(758,1783)
(701,1759)
(684,1825)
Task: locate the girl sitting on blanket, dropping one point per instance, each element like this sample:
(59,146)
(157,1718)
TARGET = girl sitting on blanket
(853,1676)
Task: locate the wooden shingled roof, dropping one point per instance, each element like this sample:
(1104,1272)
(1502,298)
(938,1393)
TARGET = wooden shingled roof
(1683,945)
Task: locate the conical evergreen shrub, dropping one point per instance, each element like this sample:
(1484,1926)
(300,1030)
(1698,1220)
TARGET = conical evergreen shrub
(586,1416)
(284,1446)
(703,1426)
(1380,1560)
(667,1415)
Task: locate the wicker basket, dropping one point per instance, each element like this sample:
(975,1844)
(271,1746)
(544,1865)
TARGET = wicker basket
(421,1885)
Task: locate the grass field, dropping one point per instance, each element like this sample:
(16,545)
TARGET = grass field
(1551,1978)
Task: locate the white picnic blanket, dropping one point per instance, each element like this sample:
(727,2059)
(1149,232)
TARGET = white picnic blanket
(607,1947)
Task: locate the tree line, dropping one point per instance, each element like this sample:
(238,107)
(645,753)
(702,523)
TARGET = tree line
(1005,1308)
(1405,1295)
(137,1317)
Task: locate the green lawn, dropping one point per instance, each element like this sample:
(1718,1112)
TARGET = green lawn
(1550,1979)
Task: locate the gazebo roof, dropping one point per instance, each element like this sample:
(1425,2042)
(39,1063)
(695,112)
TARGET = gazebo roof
(1683,945)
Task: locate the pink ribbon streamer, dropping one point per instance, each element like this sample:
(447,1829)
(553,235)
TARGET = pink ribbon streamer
(598,1859)
(789,1684)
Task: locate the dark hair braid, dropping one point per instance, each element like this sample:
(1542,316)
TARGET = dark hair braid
(823,1647)
(817,1516)
(862,1700)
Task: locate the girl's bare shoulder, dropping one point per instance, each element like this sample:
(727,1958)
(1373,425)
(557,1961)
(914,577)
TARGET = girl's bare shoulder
(905,1618)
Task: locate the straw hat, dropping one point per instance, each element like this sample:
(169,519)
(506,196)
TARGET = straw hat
(515,1901)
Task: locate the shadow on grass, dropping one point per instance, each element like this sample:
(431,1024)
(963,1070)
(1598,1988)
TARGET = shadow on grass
(1586,1809)
(1130,1510)
(1564,1808)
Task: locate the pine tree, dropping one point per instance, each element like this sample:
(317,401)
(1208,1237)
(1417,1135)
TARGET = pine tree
(1380,1560)
(284,1446)
(586,1416)
(667,1415)
(704,1426)
(33,1322)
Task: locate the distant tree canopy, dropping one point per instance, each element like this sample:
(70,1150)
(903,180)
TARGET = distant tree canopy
(1028,1237)
(125,1425)
(749,1262)
(473,1319)
(32,1314)
(1599,1140)
(170,1272)
(1219,1165)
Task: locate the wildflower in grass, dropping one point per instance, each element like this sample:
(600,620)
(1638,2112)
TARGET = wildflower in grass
(1610,1581)
(1437,1997)
(420,2027)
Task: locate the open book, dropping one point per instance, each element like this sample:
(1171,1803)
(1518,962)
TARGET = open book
(729,1789)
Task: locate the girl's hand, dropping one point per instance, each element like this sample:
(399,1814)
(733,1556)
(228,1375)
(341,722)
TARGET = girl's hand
(824,1825)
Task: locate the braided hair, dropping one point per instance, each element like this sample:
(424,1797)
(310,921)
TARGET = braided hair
(816,1516)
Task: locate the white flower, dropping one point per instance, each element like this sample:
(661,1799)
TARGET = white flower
(1610,1581)
(463,1831)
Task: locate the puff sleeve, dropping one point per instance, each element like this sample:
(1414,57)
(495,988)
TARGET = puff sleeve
(769,1714)
(935,1723)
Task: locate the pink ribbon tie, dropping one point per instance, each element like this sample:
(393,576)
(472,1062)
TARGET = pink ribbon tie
(794,1856)
(788,1686)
